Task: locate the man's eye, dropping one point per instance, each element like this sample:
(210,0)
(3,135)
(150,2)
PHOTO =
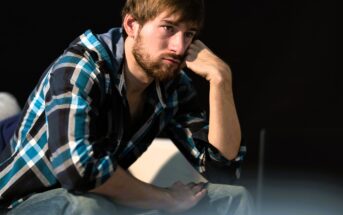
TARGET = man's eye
(189,34)
(168,28)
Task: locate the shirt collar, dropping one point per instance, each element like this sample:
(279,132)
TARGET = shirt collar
(114,41)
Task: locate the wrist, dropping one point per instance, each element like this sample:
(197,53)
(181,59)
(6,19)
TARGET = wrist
(221,75)
(221,83)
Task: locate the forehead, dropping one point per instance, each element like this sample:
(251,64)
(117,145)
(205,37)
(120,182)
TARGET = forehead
(174,18)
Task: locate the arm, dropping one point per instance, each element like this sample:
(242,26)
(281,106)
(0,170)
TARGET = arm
(80,155)
(129,191)
(224,129)
(86,163)
(88,171)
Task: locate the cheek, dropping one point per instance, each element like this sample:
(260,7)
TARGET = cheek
(156,46)
(153,41)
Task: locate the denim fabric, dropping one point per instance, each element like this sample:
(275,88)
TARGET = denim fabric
(221,200)
(61,202)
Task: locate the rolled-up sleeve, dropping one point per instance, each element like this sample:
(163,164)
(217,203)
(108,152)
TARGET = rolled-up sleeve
(189,131)
(76,157)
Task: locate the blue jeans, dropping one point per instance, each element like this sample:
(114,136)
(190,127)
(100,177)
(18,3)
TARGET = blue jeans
(221,200)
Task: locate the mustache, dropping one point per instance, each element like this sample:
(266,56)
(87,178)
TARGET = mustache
(179,58)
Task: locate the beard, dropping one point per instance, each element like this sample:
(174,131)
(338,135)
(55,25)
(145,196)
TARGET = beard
(155,69)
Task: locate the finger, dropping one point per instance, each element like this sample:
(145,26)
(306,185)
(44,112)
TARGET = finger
(197,43)
(197,188)
(201,194)
(191,47)
(191,51)
(190,57)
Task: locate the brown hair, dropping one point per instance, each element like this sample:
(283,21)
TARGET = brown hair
(146,10)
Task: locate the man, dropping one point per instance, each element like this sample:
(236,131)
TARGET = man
(100,104)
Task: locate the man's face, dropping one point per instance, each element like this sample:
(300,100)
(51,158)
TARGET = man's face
(161,45)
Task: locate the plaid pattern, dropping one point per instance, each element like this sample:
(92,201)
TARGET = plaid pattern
(72,132)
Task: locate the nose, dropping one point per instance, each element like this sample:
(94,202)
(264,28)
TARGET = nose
(178,44)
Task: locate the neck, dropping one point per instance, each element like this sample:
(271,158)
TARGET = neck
(136,79)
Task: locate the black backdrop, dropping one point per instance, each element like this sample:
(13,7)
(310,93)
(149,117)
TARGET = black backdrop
(282,53)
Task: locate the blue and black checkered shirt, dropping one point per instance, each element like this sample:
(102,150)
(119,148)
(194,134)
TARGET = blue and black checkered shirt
(72,132)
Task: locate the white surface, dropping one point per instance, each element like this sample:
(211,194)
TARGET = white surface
(162,164)
(8,105)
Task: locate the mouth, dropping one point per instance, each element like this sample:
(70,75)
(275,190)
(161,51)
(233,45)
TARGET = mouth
(172,60)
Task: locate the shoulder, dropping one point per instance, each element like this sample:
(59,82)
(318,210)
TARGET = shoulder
(85,65)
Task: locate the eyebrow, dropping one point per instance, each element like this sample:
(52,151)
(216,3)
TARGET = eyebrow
(177,24)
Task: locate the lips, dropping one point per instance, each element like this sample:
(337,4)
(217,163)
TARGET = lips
(173,60)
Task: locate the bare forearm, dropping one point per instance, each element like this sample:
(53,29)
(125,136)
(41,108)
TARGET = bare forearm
(127,190)
(224,128)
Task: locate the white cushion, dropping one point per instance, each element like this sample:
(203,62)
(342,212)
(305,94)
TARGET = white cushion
(8,105)
(163,164)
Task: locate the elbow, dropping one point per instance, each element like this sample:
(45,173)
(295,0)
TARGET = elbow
(234,150)
(231,154)
(228,149)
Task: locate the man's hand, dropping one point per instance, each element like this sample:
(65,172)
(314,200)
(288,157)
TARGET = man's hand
(224,129)
(185,196)
(202,61)
(127,190)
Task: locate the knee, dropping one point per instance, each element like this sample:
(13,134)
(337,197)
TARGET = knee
(233,199)
(244,200)
(56,201)
(60,201)
(232,191)
(242,192)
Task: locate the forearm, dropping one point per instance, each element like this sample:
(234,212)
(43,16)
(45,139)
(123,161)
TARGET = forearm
(127,190)
(224,128)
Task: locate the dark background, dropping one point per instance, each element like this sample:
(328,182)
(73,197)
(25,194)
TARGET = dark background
(282,53)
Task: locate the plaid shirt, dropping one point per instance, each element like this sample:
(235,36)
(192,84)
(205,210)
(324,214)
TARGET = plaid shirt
(73,132)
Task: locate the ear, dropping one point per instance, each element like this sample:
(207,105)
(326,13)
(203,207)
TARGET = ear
(130,25)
